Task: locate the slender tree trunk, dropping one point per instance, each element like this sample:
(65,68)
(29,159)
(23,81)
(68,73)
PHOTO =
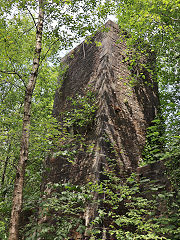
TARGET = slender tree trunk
(5,165)
(18,188)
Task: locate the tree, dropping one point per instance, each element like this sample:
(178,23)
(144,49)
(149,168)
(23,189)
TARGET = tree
(18,187)
(54,20)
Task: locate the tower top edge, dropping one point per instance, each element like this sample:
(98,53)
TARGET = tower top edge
(109,25)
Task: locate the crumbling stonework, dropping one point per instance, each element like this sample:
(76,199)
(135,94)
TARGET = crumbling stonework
(124,112)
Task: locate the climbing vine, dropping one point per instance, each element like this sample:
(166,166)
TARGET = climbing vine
(82,113)
(155,142)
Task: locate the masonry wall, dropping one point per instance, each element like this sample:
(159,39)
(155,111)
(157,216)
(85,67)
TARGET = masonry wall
(124,112)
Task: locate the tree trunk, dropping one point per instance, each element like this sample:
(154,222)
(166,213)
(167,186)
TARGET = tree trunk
(5,165)
(19,181)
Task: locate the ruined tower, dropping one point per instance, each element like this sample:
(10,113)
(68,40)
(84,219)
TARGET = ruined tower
(125,108)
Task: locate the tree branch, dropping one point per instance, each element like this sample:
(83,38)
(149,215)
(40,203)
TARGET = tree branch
(35,24)
(27,31)
(13,84)
(48,51)
(15,72)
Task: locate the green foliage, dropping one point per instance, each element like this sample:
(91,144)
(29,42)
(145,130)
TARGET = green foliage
(172,157)
(156,24)
(76,123)
(5,209)
(123,212)
(169,220)
(160,147)
(66,203)
(82,113)
(155,142)
(43,134)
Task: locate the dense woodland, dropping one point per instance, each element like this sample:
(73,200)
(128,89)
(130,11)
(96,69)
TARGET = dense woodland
(32,36)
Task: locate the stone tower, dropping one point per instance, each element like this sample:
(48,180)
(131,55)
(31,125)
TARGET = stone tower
(124,110)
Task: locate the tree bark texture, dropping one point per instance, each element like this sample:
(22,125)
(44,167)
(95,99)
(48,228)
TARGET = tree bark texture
(6,164)
(19,181)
